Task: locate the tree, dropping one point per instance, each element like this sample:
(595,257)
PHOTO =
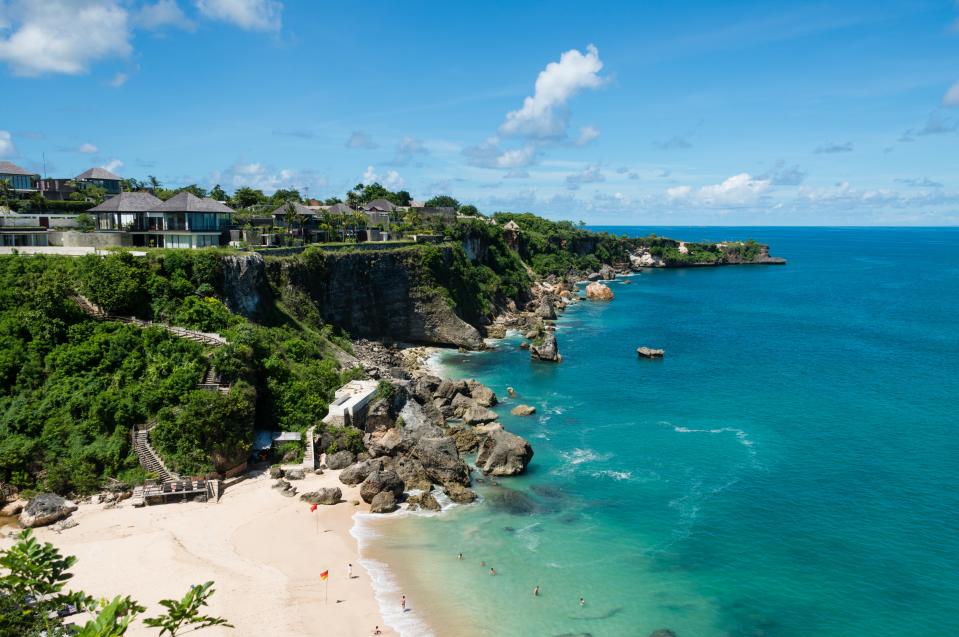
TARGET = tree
(5,191)
(154,183)
(247,197)
(332,201)
(469,210)
(404,198)
(85,222)
(282,196)
(131,185)
(186,612)
(218,193)
(194,189)
(442,201)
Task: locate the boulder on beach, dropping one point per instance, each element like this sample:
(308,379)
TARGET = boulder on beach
(44,509)
(504,454)
(460,494)
(483,395)
(597,291)
(323,496)
(460,404)
(648,352)
(380,481)
(548,350)
(295,474)
(383,502)
(355,473)
(412,472)
(523,410)
(340,459)
(276,472)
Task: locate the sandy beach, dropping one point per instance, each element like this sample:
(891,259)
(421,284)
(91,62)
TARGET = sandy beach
(265,553)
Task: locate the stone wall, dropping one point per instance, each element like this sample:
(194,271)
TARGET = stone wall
(90,239)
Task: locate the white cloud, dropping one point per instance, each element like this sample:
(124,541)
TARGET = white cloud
(544,114)
(391,179)
(832,148)
(113,165)
(586,135)
(359,139)
(951,98)
(739,190)
(589,175)
(490,155)
(266,178)
(406,148)
(63,36)
(782,175)
(253,15)
(118,80)
(87,148)
(7,149)
(165,13)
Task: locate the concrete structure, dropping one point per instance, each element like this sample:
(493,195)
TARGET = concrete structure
(21,181)
(350,404)
(60,189)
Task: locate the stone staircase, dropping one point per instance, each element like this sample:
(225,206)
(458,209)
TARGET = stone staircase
(206,338)
(147,455)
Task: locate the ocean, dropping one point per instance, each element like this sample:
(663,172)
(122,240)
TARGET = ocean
(790,468)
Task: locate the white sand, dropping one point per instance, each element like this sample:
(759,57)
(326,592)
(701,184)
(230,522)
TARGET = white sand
(264,551)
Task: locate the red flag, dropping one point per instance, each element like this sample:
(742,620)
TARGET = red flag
(325,575)
(312,508)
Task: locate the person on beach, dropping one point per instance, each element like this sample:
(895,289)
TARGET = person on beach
(536,591)
(492,571)
(377,631)
(403,603)
(349,571)
(460,556)
(582,601)
(483,563)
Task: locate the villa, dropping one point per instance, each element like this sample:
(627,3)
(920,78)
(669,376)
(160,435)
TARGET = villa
(21,181)
(139,219)
(61,189)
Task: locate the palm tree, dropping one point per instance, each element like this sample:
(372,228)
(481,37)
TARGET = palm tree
(5,191)
(154,183)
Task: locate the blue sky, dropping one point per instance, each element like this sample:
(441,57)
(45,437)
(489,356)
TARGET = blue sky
(685,113)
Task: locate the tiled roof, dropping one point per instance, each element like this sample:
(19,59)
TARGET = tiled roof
(9,168)
(188,202)
(98,173)
(128,202)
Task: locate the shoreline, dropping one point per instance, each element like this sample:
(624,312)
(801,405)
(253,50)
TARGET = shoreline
(262,550)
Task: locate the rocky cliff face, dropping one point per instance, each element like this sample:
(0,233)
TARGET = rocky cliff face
(371,295)
(244,283)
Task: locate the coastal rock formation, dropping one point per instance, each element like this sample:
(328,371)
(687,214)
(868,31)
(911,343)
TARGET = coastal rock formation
(482,394)
(545,310)
(598,292)
(465,439)
(44,509)
(412,472)
(323,496)
(276,472)
(422,501)
(383,502)
(648,352)
(460,494)
(523,410)
(646,260)
(607,272)
(594,276)
(380,481)
(504,454)
(548,350)
(496,330)
(340,460)
(442,461)
(244,278)
(477,415)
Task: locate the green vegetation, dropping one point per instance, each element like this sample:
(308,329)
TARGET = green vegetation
(32,593)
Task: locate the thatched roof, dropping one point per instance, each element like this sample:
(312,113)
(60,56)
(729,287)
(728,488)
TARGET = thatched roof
(380,204)
(99,173)
(128,202)
(188,202)
(9,168)
(300,209)
(341,209)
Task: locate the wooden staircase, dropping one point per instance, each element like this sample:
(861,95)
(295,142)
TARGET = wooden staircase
(147,455)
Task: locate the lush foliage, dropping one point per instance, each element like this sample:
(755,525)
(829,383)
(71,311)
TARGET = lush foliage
(32,597)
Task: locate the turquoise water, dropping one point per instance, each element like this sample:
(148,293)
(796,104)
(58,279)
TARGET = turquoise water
(790,468)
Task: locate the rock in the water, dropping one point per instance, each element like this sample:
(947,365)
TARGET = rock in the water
(496,330)
(504,454)
(423,501)
(441,460)
(380,481)
(276,472)
(44,509)
(548,350)
(355,473)
(477,415)
(340,459)
(532,334)
(483,395)
(546,311)
(607,272)
(383,502)
(598,292)
(295,474)
(460,494)
(511,501)
(662,632)
(648,352)
(460,404)
(523,410)
(594,276)
(511,392)
(524,345)
(323,496)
